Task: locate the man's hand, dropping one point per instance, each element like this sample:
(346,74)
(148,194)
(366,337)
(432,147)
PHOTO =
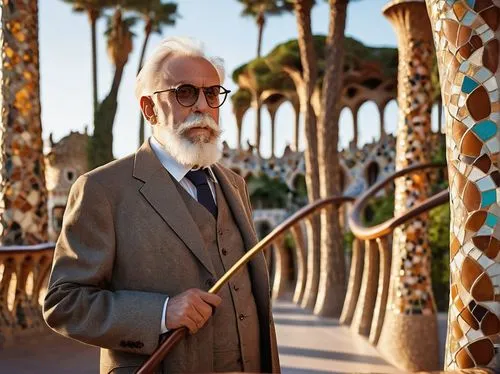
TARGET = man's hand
(191,308)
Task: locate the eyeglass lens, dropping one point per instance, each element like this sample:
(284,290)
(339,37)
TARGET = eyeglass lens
(187,95)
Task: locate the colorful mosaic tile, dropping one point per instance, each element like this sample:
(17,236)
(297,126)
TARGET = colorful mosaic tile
(472,147)
(411,281)
(23,193)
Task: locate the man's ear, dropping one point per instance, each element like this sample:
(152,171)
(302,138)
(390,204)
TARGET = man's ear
(147,108)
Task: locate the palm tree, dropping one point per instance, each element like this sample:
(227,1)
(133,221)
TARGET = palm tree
(260,9)
(305,81)
(93,8)
(155,14)
(332,279)
(119,48)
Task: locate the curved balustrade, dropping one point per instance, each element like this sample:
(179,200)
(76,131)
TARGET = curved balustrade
(368,294)
(176,335)
(20,310)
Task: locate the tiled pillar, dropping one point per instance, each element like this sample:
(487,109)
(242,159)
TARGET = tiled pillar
(23,195)
(411,311)
(466,35)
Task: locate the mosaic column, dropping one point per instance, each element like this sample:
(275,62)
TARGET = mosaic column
(466,35)
(23,194)
(411,312)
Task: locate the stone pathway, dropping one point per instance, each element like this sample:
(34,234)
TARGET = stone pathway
(307,344)
(313,345)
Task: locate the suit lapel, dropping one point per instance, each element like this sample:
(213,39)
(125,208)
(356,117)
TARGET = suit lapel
(236,205)
(160,191)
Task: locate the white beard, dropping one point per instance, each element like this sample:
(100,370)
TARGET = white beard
(200,151)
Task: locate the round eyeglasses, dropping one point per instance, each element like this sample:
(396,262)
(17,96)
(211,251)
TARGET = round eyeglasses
(187,95)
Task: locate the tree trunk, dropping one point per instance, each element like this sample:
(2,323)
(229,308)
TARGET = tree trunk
(257,104)
(23,192)
(273,133)
(305,90)
(147,34)
(101,141)
(297,129)
(355,127)
(381,112)
(261,21)
(239,124)
(332,283)
(93,15)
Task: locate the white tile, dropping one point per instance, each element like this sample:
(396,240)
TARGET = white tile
(487,36)
(494,271)
(492,144)
(475,254)
(475,174)
(485,262)
(468,121)
(491,84)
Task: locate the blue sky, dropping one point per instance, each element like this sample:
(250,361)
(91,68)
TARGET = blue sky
(65,58)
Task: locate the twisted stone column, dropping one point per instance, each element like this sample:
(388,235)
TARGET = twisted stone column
(411,311)
(23,195)
(466,35)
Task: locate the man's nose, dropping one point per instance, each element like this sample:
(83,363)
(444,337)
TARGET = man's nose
(201,104)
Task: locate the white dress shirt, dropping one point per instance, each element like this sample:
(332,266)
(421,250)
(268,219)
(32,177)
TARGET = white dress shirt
(178,172)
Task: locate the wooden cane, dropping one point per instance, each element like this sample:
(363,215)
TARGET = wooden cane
(176,335)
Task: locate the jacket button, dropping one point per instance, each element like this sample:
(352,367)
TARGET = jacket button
(241,317)
(220,232)
(224,251)
(210,282)
(235,287)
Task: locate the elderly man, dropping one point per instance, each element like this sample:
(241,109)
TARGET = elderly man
(146,236)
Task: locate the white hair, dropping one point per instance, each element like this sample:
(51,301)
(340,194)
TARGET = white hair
(151,74)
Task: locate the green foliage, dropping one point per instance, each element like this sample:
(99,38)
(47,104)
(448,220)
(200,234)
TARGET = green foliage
(439,241)
(252,8)
(379,210)
(287,54)
(242,98)
(267,193)
(100,145)
(157,12)
(261,77)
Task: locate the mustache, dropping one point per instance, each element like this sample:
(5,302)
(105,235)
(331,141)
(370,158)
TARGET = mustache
(199,120)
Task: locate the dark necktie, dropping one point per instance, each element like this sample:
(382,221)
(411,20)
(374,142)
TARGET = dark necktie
(205,197)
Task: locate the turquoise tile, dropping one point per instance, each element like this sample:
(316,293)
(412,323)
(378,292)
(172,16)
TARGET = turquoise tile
(469,85)
(491,220)
(451,2)
(488,198)
(471,3)
(485,129)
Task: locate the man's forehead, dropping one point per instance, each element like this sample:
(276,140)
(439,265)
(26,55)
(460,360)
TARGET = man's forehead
(190,69)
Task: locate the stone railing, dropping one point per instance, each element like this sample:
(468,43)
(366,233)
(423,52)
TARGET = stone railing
(368,308)
(23,273)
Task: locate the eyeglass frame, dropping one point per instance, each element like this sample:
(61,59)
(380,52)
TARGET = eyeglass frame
(175,89)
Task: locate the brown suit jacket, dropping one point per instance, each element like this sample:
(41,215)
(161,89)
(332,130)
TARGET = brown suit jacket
(127,242)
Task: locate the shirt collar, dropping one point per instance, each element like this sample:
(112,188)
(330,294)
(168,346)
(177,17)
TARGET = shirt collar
(176,169)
